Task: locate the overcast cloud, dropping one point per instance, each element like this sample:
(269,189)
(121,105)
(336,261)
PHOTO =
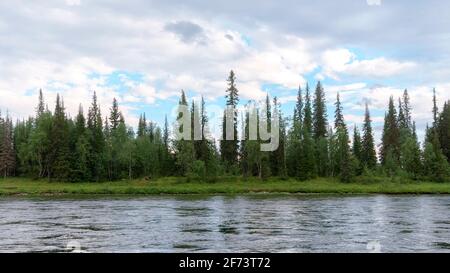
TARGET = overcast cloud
(144,52)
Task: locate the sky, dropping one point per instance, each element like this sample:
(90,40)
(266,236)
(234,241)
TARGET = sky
(144,52)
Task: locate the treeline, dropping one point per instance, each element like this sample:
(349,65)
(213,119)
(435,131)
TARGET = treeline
(92,147)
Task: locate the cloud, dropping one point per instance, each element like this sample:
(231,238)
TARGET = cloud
(186,31)
(74,47)
(73,2)
(342,61)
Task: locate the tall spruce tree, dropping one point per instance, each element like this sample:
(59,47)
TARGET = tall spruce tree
(96,141)
(357,149)
(343,158)
(230,148)
(114,117)
(368,153)
(185,152)
(390,146)
(7,152)
(59,155)
(278,157)
(411,155)
(320,130)
(80,148)
(320,113)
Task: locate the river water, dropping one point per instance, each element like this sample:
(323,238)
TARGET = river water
(248,223)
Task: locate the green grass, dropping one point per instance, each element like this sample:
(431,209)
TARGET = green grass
(229,185)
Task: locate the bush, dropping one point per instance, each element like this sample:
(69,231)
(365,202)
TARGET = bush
(198,171)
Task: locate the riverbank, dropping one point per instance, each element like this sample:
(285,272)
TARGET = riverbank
(233,185)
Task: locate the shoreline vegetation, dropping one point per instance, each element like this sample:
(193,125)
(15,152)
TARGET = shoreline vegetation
(223,186)
(330,156)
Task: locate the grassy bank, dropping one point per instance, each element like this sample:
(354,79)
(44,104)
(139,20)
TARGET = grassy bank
(21,186)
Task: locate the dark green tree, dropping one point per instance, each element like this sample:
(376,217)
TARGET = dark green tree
(229,149)
(96,141)
(368,153)
(60,153)
(391,136)
(7,152)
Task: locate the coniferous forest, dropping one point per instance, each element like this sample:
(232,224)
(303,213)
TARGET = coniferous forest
(95,146)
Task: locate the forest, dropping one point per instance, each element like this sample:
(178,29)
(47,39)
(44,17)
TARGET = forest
(92,147)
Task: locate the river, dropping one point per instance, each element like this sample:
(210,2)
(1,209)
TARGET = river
(246,223)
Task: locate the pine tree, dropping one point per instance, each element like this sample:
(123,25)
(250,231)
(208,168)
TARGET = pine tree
(407,123)
(443,129)
(60,153)
(206,148)
(411,155)
(435,165)
(320,130)
(343,158)
(307,158)
(339,117)
(357,149)
(307,112)
(278,157)
(402,123)
(435,109)
(185,152)
(298,110)
(22,139)
(294,140)
(96,141)
(230,148)
(142,126)
(114,117)
(391,136)
(80,148)
(368,153)
(41,105)
(320,113)
(7,152)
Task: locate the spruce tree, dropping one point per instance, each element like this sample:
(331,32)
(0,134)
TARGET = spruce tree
(59,155)
(41,105)
(320,113)
(436,166)
(343,158)
(391,136)
(368,153)
(114,117)
(443,129)
(185,153)
(96,141)
(81,149)
(320,130)
(435,109)
(308,165)
(307,112)
(7,152)
(278,157)
(230,148)
(407,111)
(293,149)
(411,155)
(357,149)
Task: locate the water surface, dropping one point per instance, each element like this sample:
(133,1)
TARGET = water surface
(250,223)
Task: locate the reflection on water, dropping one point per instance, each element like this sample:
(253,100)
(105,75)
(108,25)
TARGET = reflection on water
(260,223)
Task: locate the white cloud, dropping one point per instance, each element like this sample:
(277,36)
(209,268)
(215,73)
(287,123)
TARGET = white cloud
(339,62)
(73,2)
(69,42)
